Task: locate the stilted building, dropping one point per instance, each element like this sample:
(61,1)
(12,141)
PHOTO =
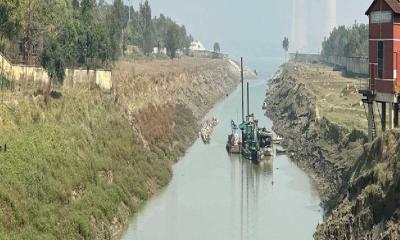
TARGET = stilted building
(384,62)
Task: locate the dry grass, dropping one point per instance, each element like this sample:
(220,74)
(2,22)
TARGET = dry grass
(197,83)
(167,66)
(337,96)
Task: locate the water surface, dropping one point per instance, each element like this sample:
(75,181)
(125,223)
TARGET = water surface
(213,195)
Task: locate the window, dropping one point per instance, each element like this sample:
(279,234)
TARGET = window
(380,59)
(381,17)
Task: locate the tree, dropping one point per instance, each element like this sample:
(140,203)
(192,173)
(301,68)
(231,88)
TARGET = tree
(217,48)
(133,35)
(172,41)
(52,59)
(9,22)
(75,4)
(160,28)
(347,41)
(285,44)
(88,8)
(32,24)
(184,42)
(69,40)
(115,27)
(146,27)
(89,31)
(104,43)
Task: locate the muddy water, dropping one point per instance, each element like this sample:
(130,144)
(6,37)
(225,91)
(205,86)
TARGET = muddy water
(217,196)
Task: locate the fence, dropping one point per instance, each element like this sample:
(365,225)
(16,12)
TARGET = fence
(355,65)
(206,54)
(25,74)
(303,57)
(352,65)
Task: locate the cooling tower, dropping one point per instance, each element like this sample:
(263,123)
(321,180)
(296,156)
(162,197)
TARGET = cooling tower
(330,17)
(298,40)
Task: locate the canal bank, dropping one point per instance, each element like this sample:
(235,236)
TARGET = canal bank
(86,161)
(317,110)
(213,195)
(321,122)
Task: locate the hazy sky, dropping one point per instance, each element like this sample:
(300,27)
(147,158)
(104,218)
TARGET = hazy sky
(253,22)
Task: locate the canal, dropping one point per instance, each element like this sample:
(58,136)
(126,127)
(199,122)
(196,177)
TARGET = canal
(213,195)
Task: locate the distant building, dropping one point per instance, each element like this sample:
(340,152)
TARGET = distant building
(197,46)
(160,51)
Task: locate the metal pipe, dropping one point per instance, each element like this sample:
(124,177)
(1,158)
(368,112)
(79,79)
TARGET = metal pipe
(383,120)
(390,116)
(241,75)
(248,100)
(370,124)
(396,115)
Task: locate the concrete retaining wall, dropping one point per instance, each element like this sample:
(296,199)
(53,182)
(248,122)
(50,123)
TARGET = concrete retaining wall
(73,77)
(307,58)
(354,65)
(206,54)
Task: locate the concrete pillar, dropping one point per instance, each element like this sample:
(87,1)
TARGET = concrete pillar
(383,120)
(370,123)
(390,116)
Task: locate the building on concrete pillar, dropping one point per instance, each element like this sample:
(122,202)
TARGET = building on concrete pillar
(384,62)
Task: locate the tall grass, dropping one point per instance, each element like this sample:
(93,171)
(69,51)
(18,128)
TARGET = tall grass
(72,163)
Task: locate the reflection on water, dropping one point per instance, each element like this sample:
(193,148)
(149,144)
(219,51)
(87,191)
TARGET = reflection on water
(214,195)
(250,175)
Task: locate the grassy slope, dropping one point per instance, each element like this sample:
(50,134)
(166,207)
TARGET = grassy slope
(54,174)
(77,168)
(333,100)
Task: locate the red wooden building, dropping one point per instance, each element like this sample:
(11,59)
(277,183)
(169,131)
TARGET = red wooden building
(384,62)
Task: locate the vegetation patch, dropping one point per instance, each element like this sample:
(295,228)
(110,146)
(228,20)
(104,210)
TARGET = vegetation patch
(370,208)
(52,174)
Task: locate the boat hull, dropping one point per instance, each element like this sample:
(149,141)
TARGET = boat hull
(269,152)
(233,149)
(254,156)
